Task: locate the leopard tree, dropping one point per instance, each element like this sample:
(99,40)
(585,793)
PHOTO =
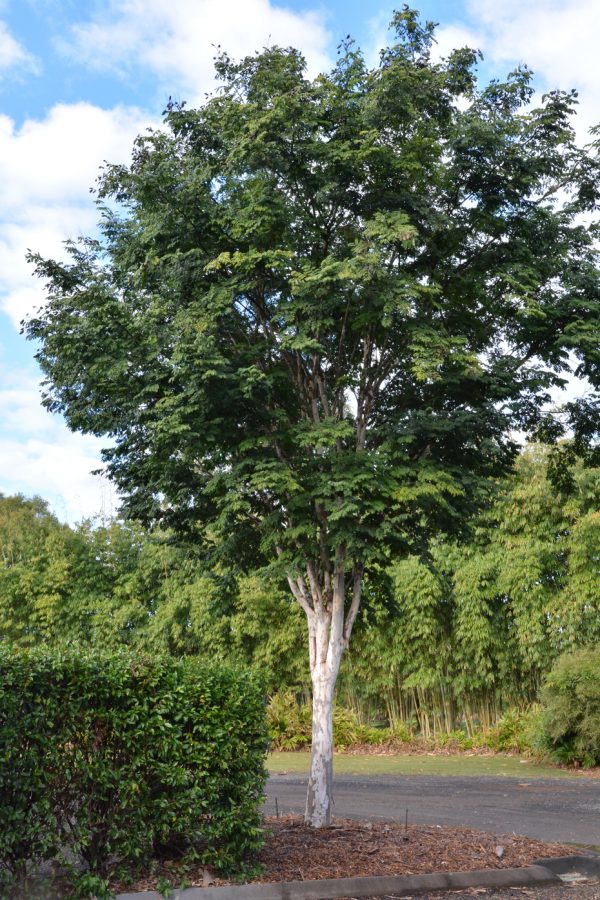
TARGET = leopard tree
(317,308)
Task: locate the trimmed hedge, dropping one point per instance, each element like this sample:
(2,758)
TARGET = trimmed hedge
(107,759)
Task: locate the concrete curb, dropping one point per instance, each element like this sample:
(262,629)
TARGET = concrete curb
(543,871)
(585,865)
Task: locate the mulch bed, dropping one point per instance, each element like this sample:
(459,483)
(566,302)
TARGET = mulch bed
(295,852)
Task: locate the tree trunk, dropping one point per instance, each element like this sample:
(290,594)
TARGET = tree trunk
(326,645)
(320,781)
(329,630)
(327,638)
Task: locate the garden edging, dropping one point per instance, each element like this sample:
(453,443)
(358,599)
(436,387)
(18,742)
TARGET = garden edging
(543,871)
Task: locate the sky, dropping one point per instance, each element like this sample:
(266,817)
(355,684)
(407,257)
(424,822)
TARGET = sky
(79,79)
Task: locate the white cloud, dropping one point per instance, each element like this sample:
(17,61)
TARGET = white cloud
(47,169)
(560,36)
(378,37)
(452,37)
(39,455)
(175,39)
(558,39)
(12,54)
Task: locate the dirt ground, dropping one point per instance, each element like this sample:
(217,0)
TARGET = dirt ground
(295,852)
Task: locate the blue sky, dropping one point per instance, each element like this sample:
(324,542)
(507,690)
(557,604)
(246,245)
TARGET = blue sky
(80,78)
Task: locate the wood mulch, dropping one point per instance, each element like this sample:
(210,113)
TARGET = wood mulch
(295,852)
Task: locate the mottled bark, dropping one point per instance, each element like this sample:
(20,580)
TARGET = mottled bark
(320,782)
(330,614)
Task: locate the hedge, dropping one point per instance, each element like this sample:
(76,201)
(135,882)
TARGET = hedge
(107,760)
(570,722)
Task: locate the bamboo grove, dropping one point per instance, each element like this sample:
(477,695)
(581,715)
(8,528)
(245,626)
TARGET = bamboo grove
(451,638)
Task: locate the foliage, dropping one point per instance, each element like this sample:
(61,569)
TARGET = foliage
(248,619)
(289,722)
(535,561)
(453,640)
(111,584)
(570,726)
(444,641)
(473,629)
(317,308)
(516,731)
(290,725)
(108,759)
(37,556)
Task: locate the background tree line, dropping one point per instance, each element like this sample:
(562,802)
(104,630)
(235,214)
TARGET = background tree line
(455,636)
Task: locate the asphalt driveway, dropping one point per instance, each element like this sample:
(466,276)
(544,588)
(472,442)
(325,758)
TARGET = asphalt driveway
(551,810)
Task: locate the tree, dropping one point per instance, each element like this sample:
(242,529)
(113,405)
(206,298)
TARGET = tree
(38,560)
(532,570)
(316,308)
(477,626)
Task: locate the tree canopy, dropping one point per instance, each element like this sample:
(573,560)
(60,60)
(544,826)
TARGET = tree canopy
(318,308)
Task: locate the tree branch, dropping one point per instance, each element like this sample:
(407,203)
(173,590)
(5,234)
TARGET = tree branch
(315,588)
(357,578)
(298,589)
(336,635)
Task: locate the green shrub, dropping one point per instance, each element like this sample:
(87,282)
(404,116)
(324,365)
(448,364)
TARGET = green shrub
(347,730)
(401,733)
(570,721)
(513,731)
(290,725)
(454,740)
(375,736)
(106,759)
(289,722)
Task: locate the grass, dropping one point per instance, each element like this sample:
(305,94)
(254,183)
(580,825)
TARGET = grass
(410,764)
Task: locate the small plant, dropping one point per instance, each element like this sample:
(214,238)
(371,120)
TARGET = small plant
(163,886)
(89,885)
(457,739)
(401,733)
(347,730)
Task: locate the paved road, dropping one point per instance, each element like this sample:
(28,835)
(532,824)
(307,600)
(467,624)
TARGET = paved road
(551,810)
